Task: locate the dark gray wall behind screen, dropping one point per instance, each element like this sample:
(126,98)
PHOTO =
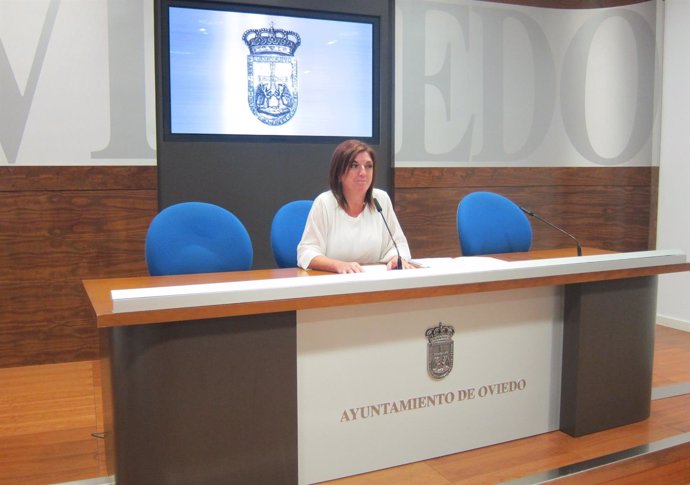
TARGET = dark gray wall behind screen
(253,180)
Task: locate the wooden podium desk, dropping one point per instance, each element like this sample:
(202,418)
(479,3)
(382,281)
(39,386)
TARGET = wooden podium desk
(201,373)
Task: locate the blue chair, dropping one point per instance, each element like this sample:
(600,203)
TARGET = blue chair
(286,231)
(197,237)
(490,223)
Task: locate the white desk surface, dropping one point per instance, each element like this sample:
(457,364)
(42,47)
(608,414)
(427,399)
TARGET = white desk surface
(440,272)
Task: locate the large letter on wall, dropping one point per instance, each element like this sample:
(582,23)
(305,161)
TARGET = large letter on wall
(493,22)
(127,86)
(414,88)
(15,105)
(574,95)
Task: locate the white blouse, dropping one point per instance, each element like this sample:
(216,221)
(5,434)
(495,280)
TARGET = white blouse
(331,232)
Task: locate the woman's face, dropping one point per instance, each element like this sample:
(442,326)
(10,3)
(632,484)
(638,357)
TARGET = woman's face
(358,177)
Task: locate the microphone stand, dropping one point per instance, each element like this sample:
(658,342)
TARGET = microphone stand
(563,231)
(380,211)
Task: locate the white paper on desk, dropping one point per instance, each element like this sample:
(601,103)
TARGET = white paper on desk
(431,262)
(479,263)
(374,268)
(463,263)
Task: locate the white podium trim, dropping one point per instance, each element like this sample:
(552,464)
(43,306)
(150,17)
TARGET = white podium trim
(463,270)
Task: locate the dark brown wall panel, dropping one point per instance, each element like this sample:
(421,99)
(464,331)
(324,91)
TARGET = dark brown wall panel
(607,208)
(58,226)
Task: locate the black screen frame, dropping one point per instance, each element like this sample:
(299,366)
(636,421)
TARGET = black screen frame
(164,75)
(254,178)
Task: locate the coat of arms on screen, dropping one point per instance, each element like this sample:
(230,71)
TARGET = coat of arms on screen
(439,350)
(272,74)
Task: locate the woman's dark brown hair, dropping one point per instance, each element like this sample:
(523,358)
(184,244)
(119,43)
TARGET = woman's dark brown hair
(343,156)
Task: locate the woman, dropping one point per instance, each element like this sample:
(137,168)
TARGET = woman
(344,230)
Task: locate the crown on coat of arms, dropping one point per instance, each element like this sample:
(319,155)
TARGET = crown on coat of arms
(440,332)
(271,41)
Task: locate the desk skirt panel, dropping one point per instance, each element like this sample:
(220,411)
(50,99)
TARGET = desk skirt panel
(204,401)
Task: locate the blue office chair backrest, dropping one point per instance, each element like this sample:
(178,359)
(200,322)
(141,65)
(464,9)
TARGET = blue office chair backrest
(490,223)
(286,231)
(197,237)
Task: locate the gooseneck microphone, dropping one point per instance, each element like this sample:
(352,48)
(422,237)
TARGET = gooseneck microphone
(563,231)
(378,208)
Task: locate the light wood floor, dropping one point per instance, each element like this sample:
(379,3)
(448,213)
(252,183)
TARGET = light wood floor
(48,414)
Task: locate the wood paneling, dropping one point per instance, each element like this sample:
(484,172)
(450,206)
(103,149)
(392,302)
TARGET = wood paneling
(59,225)
(608,208)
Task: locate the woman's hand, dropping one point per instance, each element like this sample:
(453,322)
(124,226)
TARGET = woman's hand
(323,263)
(343,267)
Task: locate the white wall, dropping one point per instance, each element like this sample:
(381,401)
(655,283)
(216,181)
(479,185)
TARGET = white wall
(483,84)
(477,84)
(673,229)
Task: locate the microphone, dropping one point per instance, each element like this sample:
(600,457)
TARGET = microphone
(532,214)
(378,208)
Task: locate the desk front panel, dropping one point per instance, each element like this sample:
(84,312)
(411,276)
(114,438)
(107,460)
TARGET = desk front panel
(366,399)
